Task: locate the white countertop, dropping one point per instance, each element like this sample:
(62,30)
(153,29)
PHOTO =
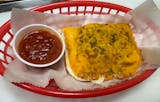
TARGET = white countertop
(147,91)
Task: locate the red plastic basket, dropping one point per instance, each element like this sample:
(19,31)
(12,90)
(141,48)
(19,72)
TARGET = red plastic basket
(69,8)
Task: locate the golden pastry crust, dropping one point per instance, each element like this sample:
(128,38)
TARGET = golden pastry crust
(102,50)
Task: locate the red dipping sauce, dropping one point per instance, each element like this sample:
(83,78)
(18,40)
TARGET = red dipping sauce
(40,47)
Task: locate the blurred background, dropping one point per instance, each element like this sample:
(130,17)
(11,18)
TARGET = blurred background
(7,5)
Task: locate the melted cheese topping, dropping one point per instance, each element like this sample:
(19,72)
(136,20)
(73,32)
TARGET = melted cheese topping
(95,51)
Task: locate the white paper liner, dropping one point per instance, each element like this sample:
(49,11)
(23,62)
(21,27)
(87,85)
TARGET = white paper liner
(146,32)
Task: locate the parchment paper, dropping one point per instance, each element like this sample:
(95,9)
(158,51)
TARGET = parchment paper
(146,31)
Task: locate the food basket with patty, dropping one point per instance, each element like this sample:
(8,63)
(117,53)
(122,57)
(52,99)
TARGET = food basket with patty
(92,53)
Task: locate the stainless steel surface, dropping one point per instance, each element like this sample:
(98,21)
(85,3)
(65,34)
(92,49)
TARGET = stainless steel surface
(24,4)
